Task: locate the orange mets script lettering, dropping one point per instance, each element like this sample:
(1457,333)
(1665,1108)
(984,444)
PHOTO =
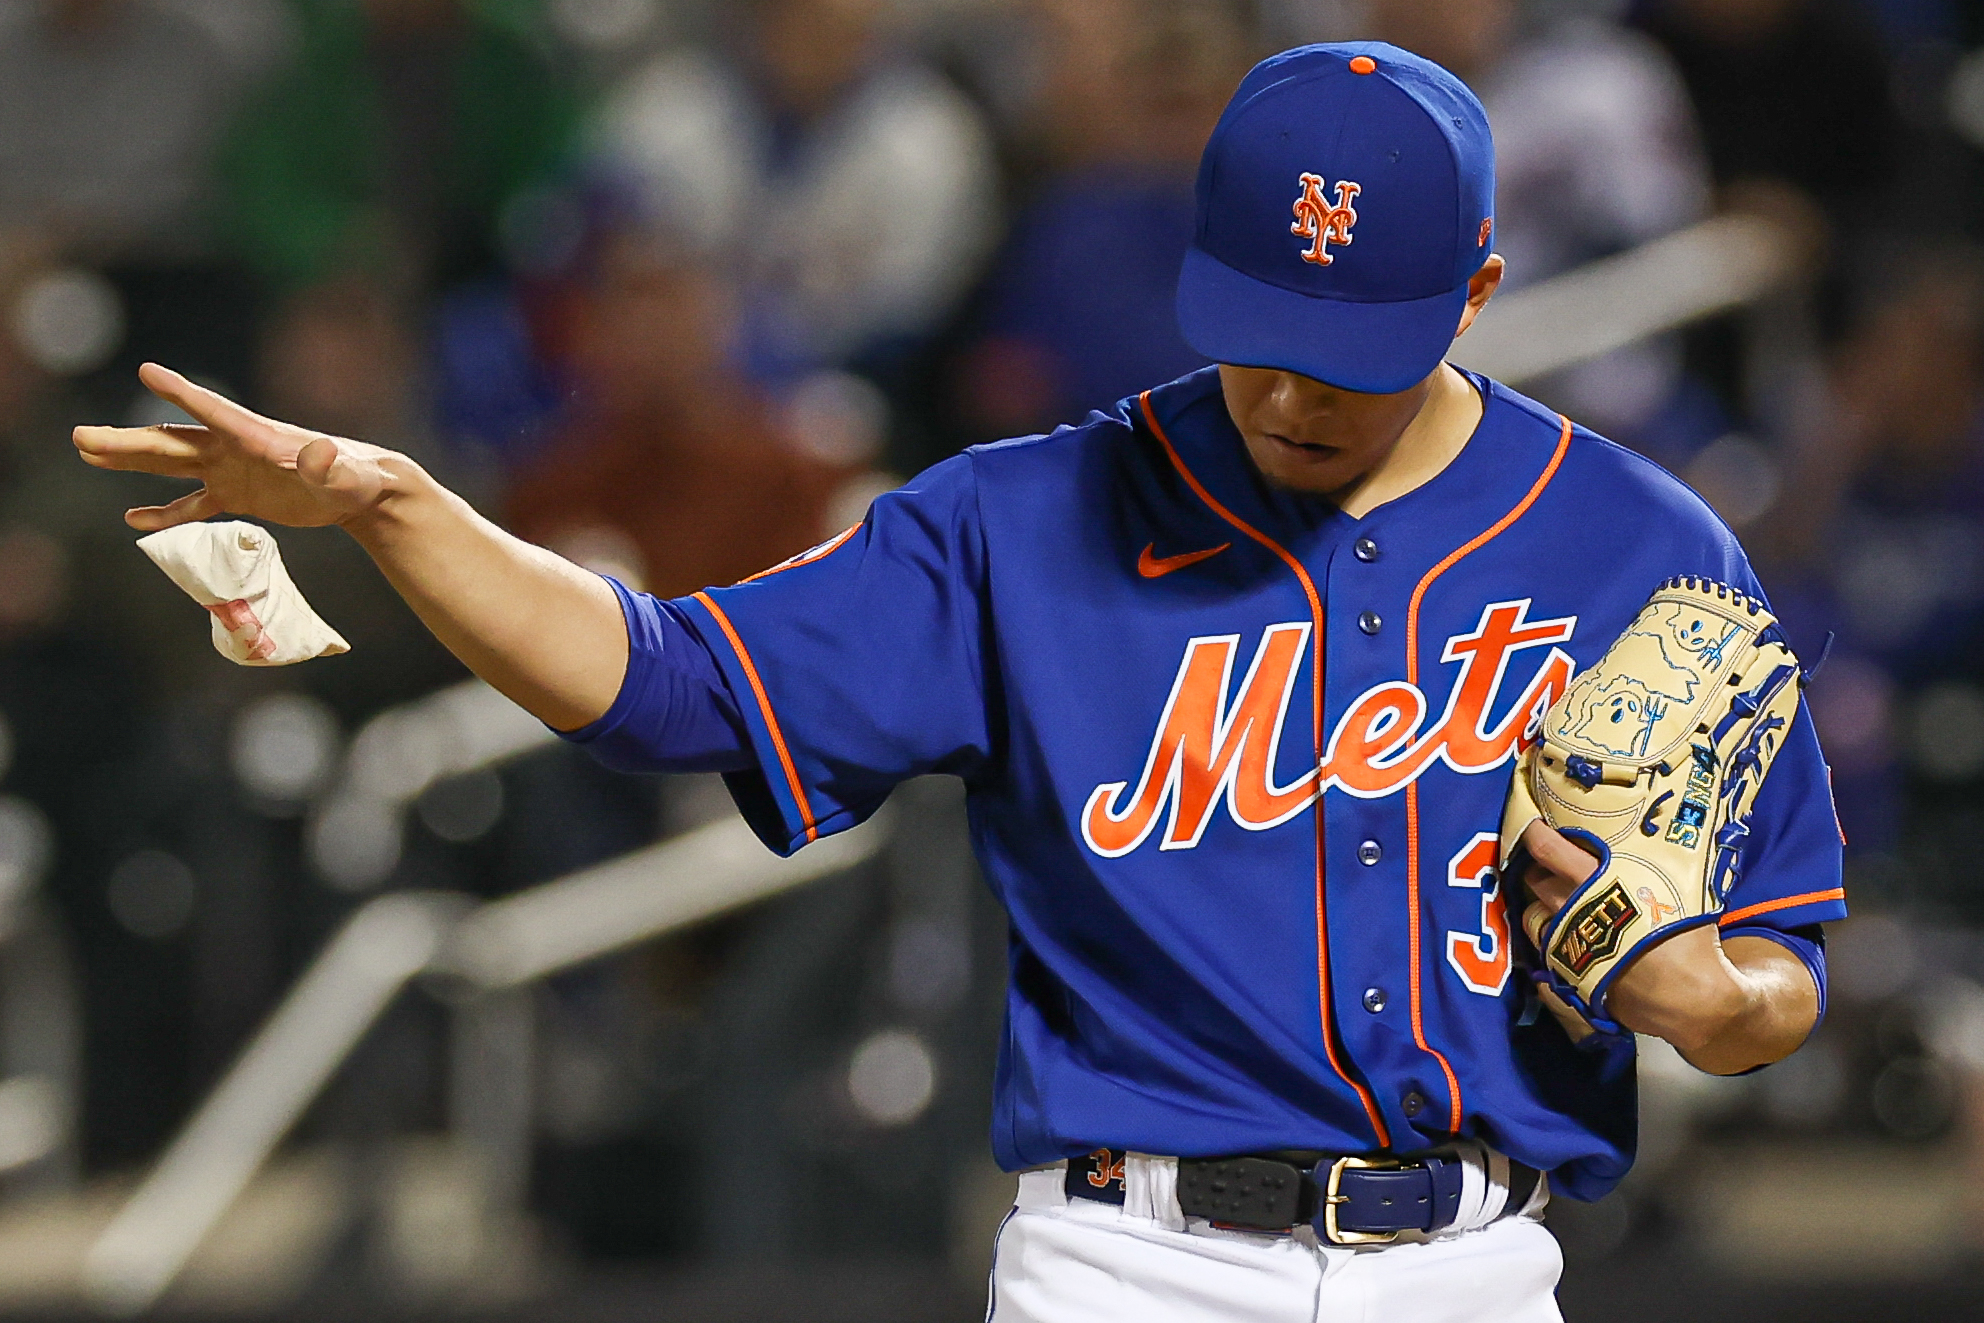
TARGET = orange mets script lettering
(1320,223)
(1207,750)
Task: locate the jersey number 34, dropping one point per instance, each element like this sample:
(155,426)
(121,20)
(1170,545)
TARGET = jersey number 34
(1481,960)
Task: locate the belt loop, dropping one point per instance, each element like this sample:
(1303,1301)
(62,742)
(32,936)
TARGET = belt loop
(1150,1190)
(1500,1181)
(1539,1198)
(1044,1187)
(1479,1200)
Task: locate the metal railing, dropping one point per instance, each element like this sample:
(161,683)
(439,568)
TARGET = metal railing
(1721,264)
(485,951)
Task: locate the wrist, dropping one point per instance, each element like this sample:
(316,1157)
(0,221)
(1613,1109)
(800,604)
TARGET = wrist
(1692,996)
(404,486)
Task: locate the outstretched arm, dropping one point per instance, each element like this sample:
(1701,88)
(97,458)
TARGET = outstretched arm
(544,632)
(1727,1006)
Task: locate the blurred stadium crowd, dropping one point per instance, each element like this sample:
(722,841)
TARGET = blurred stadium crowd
(675,287)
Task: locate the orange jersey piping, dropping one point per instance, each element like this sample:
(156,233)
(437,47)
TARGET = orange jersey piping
(820,552)
(1316,614)
(771,719)
(1781,903)
(1417,920)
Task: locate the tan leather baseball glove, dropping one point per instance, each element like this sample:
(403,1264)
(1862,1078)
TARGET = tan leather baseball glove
(1651,761)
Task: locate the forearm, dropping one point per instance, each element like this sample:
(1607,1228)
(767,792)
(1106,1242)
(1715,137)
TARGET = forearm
(545,633)
(1747,1004)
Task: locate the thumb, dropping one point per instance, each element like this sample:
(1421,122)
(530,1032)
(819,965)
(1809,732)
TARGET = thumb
(348,481)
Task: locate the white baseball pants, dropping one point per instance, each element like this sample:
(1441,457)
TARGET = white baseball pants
(1062,1260)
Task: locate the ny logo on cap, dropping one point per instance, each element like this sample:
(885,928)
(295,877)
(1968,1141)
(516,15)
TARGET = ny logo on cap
(1320,223)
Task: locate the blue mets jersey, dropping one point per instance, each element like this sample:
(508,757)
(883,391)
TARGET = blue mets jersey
(1236,763)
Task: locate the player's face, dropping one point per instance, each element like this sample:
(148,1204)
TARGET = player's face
(1312,437)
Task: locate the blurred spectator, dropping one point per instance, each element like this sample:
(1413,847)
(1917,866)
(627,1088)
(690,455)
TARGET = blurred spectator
(1889,503)
(1080,306)
(1596,151)
(110,111)
(22,379)
(672,471)
(392,140)
(1879,536)
(375,170)
(1795,91)
(855,187)
(338,357)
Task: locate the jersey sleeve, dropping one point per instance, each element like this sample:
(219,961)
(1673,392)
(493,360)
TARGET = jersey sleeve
(675,712)
(1793,865)
(859,664)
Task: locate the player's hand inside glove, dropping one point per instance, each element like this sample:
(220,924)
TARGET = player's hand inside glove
(246,464)
(1727,1010)
(1680,990)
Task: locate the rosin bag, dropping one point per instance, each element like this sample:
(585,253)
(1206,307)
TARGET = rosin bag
(235,570)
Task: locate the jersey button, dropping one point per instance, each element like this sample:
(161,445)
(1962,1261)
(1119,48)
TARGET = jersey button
(1412,1104)
(1370,852)
(1370,622)
(1374,1000)
(1365,549)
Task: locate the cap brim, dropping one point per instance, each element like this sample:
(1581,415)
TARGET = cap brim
(1372,348)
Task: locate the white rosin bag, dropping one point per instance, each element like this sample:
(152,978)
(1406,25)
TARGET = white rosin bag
(235,570)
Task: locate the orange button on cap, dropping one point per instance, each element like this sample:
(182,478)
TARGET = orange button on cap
(1363,64)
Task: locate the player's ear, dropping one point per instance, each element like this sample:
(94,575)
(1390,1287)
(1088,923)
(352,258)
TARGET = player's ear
(1481,287)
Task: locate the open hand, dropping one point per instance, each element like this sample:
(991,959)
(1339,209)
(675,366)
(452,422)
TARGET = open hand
(246,464)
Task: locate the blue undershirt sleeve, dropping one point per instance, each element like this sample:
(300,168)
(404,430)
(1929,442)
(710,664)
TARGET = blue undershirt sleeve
(675,711)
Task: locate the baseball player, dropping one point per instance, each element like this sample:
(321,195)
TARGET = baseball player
(1236,675)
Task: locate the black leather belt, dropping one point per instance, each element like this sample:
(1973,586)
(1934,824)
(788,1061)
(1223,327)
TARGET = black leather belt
(1349,1199)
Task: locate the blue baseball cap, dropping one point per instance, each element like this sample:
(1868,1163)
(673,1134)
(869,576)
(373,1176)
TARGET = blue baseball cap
(1344,200)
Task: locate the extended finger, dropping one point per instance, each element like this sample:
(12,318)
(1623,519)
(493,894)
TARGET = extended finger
(1556,852)
(174,452)
(206,406)
(188,508)
(1535,919)
(1549,887)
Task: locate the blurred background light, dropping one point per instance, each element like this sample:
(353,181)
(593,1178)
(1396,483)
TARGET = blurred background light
(605,24)
(31,1120)
(1737,476)
(1965,96)
(69,321)
(152,893)
(838,418)
(929,966)
(1946,731)
(27,844)
(354,843)
(462,808)
(892,1077)
(284,747)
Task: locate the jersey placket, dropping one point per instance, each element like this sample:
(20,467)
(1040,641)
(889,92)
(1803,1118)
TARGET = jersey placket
(1339,1061)
(1369,840)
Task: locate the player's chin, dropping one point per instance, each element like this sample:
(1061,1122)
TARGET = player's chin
(1315,469)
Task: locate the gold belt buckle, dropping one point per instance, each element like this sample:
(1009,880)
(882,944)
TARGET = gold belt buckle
(1335,1234)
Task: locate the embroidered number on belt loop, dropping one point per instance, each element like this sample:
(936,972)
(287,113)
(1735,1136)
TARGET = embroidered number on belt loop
(1482,960)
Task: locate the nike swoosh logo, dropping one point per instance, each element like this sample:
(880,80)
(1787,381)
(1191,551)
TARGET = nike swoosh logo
(1156,567)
